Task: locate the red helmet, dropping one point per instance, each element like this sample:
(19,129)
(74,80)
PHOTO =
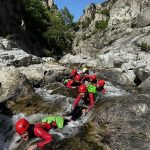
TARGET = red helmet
(101,83)
(77,78)
(93,77)
(74,72)
(21,126)
(82,88)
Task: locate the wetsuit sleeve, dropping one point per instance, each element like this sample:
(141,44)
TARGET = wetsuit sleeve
(69,84)
(46,126)
(86,77)
(71,77)
(91,97)
(76,101)
(40,132)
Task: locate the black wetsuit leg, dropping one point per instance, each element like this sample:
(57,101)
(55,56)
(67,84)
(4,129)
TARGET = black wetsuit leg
(76,113)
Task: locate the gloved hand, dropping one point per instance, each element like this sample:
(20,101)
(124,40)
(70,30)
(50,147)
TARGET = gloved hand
(103,91)
(85,111)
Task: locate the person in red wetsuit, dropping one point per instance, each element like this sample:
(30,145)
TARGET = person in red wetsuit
(90,78)
(27,131)
(75,82)
(87,97)
(100,86)
(73,74)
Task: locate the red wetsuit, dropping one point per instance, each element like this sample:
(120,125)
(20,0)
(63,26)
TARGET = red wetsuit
(72,83)
(89,97)
(87,77)
(40,130)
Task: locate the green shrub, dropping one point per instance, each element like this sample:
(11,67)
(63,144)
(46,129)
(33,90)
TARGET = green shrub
(145,47)
(101,25)
(51,28)
(105,12)
(86,23)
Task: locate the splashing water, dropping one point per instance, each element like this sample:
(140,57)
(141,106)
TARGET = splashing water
(9,140)
(112,91)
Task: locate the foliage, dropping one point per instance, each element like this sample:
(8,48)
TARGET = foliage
(105,12)
(101,25)
(145,47)
(67,17)
(51,28)
(86,23)
(75,26)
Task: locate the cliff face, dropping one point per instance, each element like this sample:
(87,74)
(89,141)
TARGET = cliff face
(12,26)
(10,16)
(133,12)
(108,22)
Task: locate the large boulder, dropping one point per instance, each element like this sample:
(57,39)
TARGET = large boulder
(74,59)
(15,56)
(42,74)
(145,85)
(13,84)
(123,123)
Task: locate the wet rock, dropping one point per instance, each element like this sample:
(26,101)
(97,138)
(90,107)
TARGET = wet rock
(59,88)
(37,104)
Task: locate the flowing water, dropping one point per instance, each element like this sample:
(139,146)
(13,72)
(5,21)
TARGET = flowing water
(75,134)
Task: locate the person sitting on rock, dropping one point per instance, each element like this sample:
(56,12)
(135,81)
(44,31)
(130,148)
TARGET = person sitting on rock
(86,96)
(76,82)
(27,131)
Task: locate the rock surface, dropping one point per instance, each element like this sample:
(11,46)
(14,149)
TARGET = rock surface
(124,123)
(13,84)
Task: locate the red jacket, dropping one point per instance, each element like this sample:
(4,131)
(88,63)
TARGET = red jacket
(89,97)
(40,130)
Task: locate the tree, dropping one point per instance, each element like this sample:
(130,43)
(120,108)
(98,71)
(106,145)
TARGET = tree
(67,17)
(50,27)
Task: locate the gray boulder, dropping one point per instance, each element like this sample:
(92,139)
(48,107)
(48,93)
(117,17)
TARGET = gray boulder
(13,84)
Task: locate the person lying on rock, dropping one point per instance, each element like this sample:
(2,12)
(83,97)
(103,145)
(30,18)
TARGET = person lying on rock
(100,86)
(28,131)
(86,96)
(74,82)
(73,74)
(58,122)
